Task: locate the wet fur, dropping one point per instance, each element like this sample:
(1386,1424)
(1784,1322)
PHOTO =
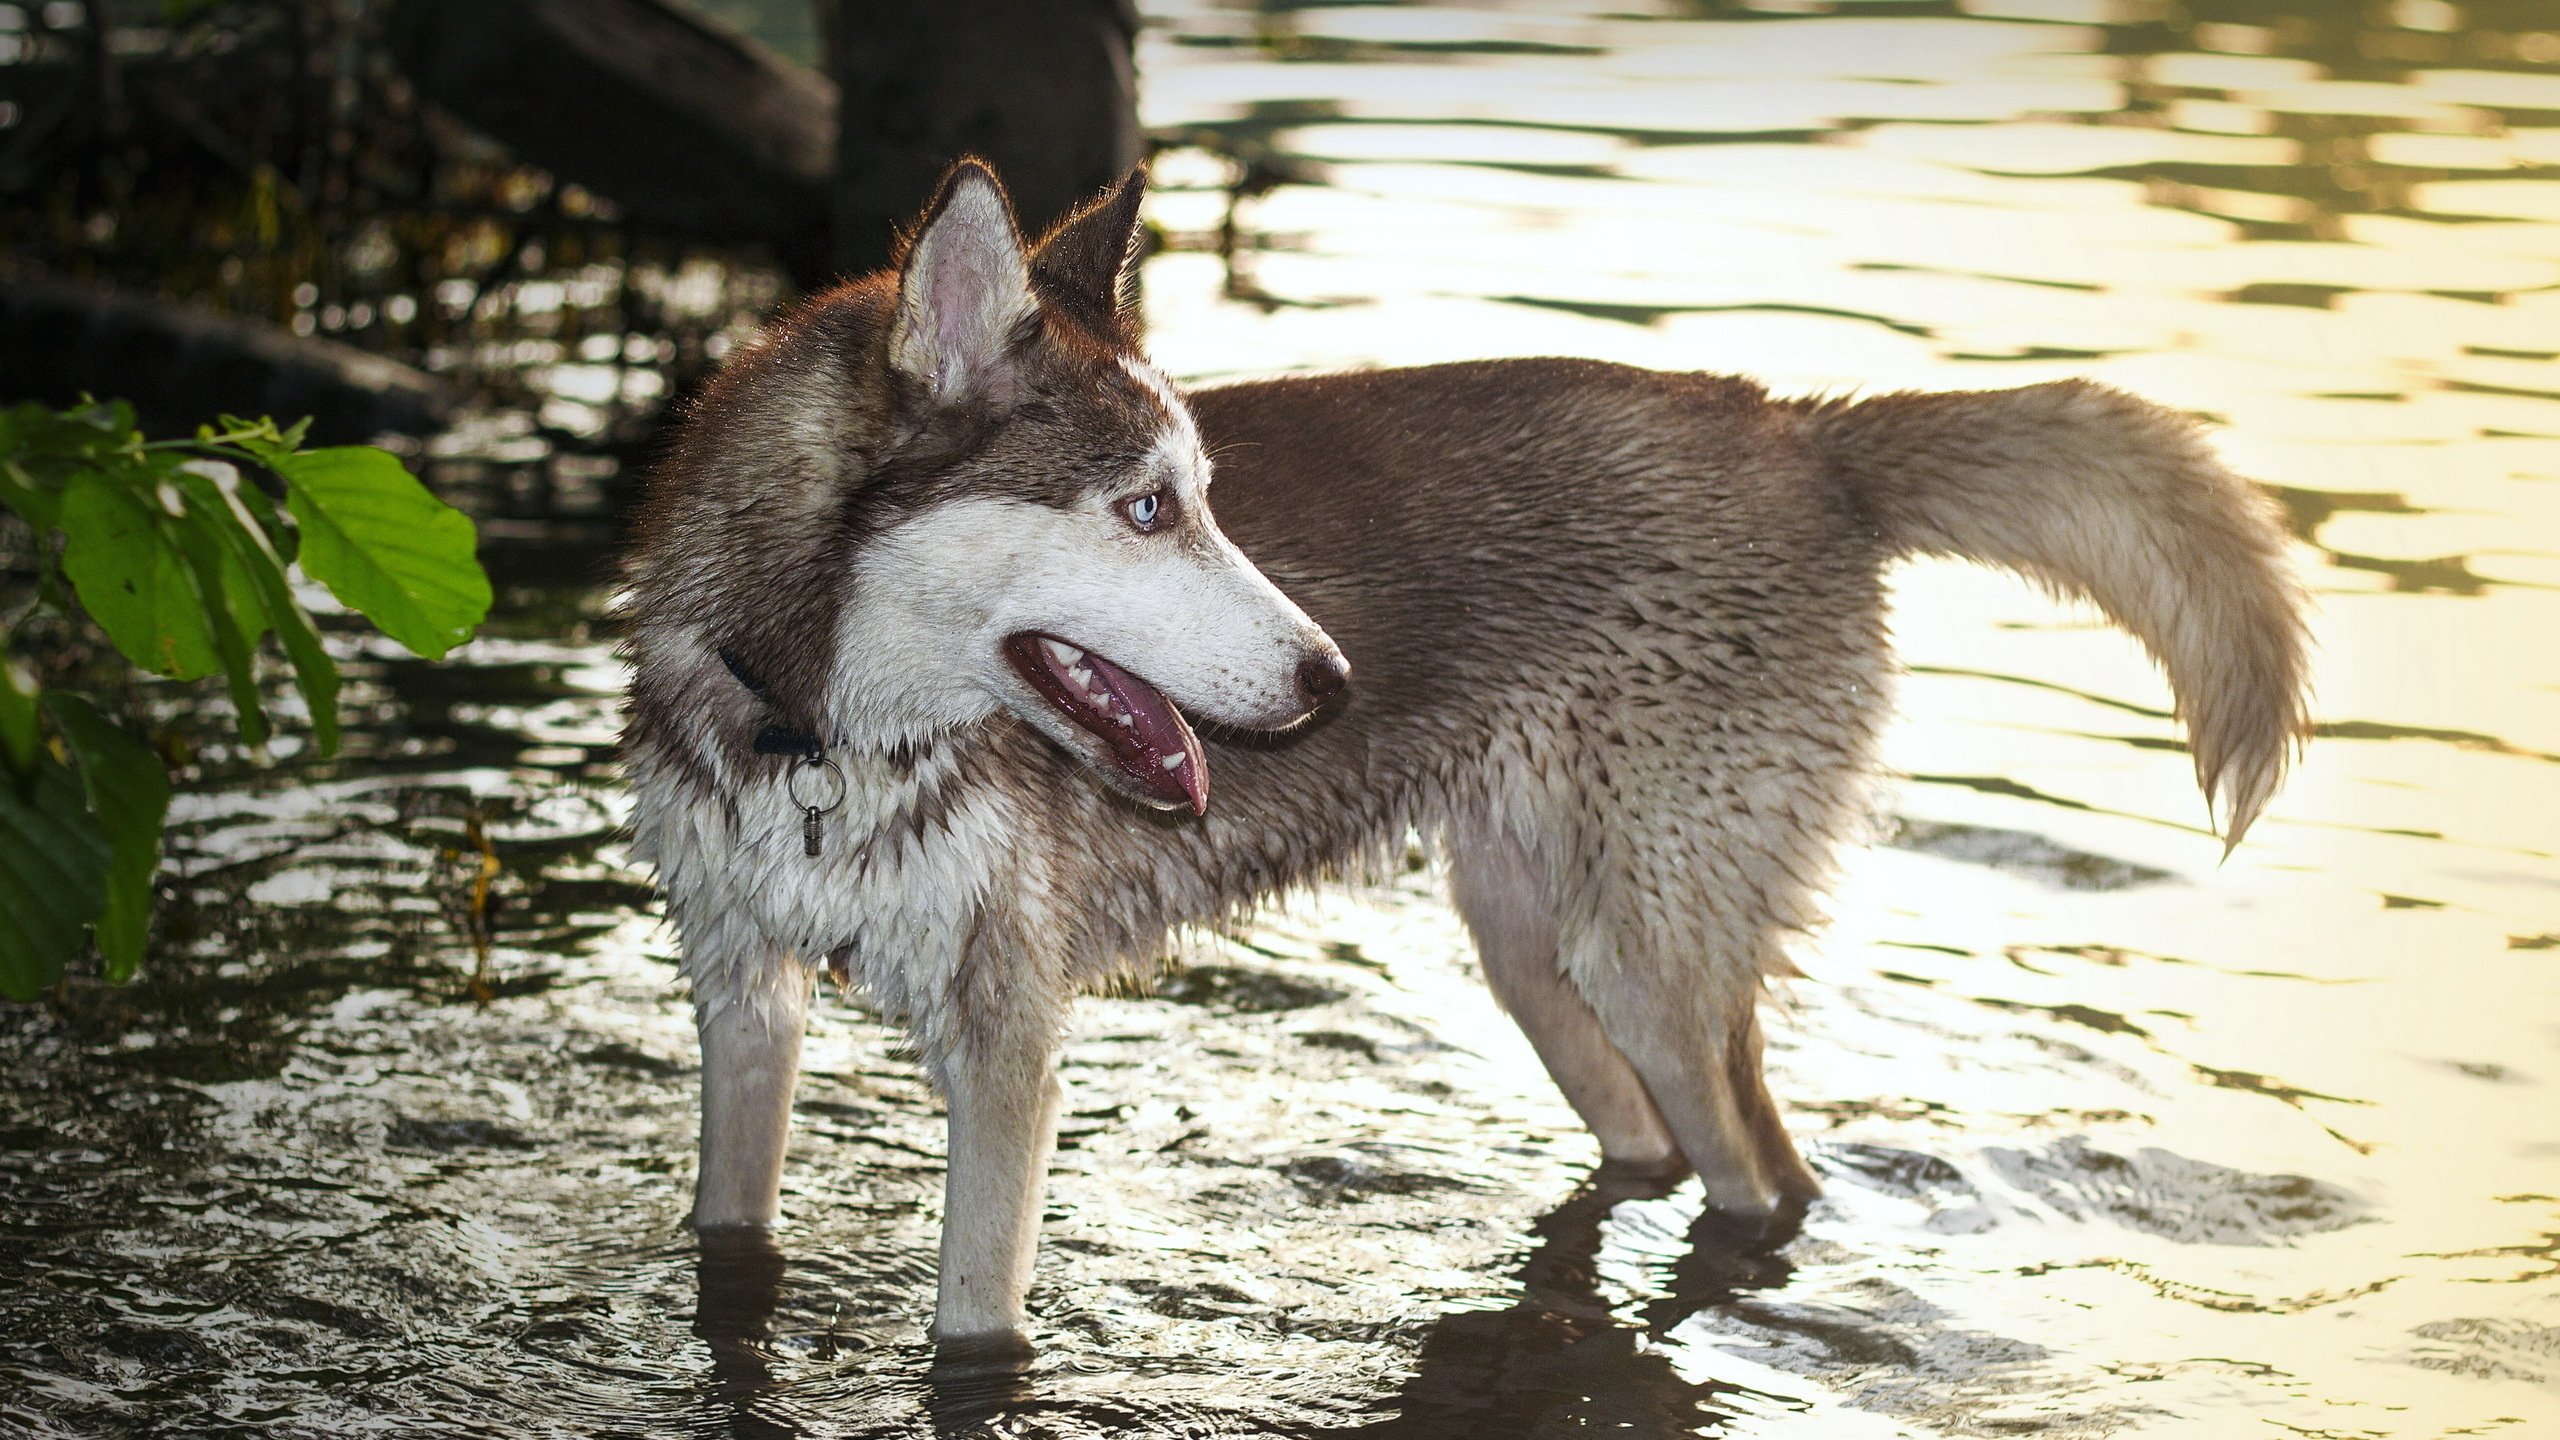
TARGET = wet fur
(1619,651)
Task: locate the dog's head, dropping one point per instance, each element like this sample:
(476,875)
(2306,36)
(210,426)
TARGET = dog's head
(1014,504)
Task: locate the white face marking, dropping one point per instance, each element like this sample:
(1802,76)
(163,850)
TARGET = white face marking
(1187,613)
(921,641)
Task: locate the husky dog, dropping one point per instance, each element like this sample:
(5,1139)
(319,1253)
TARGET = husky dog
(929,597)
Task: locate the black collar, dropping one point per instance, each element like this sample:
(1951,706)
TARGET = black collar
(776,738)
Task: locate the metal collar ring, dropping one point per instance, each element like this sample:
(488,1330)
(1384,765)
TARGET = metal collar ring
(791,783)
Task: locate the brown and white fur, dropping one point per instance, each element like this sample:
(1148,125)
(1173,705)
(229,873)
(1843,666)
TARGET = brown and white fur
(1620,654)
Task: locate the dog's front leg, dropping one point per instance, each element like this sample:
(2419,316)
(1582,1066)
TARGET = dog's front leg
(750,1065)
(1003,1096)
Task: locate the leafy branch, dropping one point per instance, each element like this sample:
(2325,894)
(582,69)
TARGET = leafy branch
(178,553)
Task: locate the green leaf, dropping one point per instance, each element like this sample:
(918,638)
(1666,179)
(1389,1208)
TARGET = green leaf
(21,490)
(262,437)
(128,792)
(243,598)
(53,878)
(210,492)
(251,562)
(53,448)
(132,578)
(18,692)
(205,560)
(385,546)
(281,538)
(111,420)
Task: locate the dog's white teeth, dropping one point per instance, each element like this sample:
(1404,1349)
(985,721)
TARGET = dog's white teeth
(1080,675)
(1062,652)
(1176,760)
(1125,718)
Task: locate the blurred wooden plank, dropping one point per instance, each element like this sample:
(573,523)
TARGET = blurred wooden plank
(182,365)
(687,127)
(692,129)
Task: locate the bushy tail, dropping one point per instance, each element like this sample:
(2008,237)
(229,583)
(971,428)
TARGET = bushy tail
(2095,494)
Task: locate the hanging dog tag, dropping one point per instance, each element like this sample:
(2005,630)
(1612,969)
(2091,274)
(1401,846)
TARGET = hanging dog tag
(813,817)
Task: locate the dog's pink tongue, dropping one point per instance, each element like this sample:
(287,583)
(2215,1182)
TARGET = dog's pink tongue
(1156,748)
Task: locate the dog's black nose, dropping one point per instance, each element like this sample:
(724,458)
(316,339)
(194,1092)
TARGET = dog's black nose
(1321,677)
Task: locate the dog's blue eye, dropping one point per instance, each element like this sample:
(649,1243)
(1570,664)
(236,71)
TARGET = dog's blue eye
(1144,511)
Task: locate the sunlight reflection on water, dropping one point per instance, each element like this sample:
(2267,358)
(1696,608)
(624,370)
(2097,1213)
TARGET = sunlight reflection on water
(2350,266)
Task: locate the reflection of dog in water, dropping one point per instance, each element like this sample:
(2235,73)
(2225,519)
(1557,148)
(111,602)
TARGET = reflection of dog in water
(938,555)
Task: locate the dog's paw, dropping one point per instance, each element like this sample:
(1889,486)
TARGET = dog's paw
(1005,1351)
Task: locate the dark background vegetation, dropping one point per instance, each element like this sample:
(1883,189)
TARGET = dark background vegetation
(199,198)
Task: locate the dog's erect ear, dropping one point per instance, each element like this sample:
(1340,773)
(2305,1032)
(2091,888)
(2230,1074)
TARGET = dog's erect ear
(1085,261)
(963,289)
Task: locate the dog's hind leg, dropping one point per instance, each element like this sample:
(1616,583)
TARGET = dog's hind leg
(1693,1035)
(750,1017)
(1505,901)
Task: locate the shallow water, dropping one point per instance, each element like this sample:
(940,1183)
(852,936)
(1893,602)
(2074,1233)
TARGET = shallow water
(2117,1140)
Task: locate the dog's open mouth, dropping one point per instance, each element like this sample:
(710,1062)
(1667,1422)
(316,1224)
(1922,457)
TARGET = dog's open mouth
(1146,738)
